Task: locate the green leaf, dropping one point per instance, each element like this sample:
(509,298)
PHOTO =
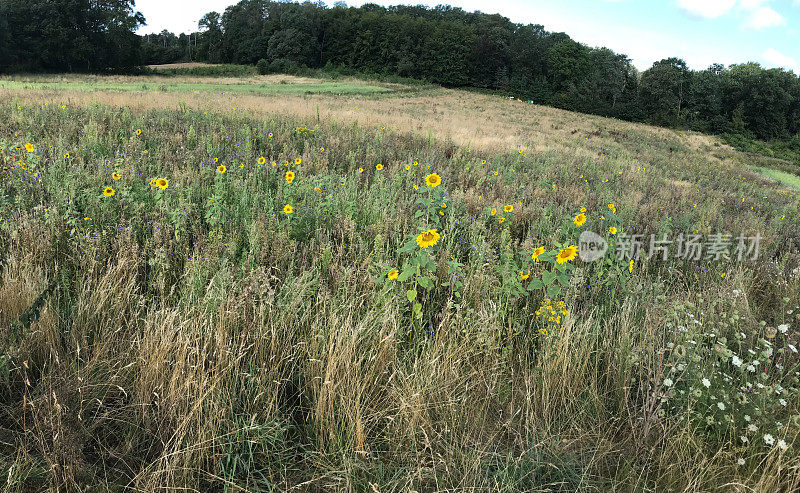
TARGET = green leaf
(548,277)
(553,290)
(425,282)
(411,294)
(408,271)
(535,284)
(564,280)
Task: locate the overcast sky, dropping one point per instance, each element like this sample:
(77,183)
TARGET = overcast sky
(701,32)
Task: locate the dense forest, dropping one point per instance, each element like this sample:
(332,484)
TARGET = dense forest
(443,45)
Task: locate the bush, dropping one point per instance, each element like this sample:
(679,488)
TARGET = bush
(262,66)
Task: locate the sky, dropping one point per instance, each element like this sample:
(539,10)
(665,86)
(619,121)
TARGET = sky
(701,32)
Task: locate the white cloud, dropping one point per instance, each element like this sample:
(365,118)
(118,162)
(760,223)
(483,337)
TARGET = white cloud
(764,17)
(708,9)
(775,58)
(752,4)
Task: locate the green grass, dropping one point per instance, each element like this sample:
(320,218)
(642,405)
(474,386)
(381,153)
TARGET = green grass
(338,88)
(197,337)
(783,177)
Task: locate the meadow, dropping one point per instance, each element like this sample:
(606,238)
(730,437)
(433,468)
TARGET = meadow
(236,289)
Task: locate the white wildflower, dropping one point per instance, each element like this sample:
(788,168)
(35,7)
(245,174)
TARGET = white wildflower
(769,439)
(706,383)
(782,445)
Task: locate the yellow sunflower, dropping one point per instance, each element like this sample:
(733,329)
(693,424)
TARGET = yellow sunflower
(408,167)
(360,170)
(428,238)
(509,208)
(66,156)
(289,177)
(29,147)
(298,161)
(501,220)
(269,135)
(116,176)
(108,192)
(493,211)
(287,209)
(138,131)
(262,160)
(379,166)
(162,183)
(612,208)
(433,180)
(579,220)
(523,275)
(393,274)
(536,253)
(221,169)
(567,254)
(630,267)
(612,230)
(153,183)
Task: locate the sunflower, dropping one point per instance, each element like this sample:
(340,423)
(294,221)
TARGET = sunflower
(501,220)
(138,131)
(162,183)
(496,173)
(630,267)
(523,275)
(393,274)
(379,166)
(509,208)
(408,167)
(287,209)
(428,238)
(66,156)
(483,161)
(289,177)
(493,211)
(216,160)
(153,183)
(433,180)
(262,160)
(567,254)
(612,230)
(612,208)
(29,147)
(536,253)
(579,220)
(360,170)
(298,161)
(221,169)
(583,209)
(269,135)
(116,176)
(108,192)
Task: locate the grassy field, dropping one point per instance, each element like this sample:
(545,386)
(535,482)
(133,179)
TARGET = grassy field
(206,292)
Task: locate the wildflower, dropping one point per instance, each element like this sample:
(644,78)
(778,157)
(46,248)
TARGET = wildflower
(509,208)
(536,253)
(379,166)
(612,208)
(262,160)
(297,161)
(736,361)
(108,192)
(29,147)
(393,274)
(612,230)
(433,180)
(706,383)
(782,445)
(567,254)
(416,187)
(153,183)
(162,183)
(116,176)
(782,402)
(408,167)
(496,173)
(501,220)
(721,406)
(483,161)
(741,462)
(289,177)
(493,211)
(428,238)
(221,169)
(360,170)
(138,131)
(769,439)
(630,266)
(784,328)
(668,382)
(288,209)
(269,135)
(523,275)
(579,220)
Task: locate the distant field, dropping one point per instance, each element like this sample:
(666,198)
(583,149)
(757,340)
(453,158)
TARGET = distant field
(251,86)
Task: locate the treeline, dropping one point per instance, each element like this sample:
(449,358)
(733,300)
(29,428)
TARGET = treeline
(443,45)
(455,48)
